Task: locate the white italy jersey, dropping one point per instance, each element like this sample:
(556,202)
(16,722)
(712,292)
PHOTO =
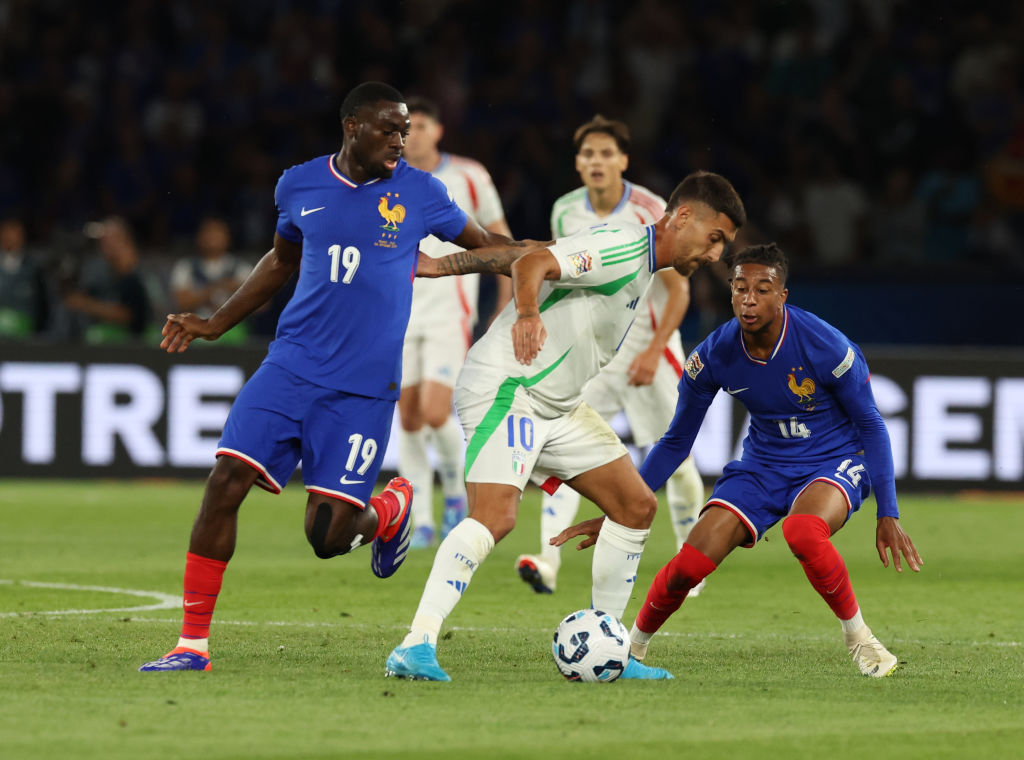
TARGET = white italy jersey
(605,272)
(448,301)
(573,212)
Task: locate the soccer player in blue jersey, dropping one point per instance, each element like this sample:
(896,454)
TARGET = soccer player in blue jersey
(816,446)
(350,225)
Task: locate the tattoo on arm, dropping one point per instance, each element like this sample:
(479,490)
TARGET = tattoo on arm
(495,260)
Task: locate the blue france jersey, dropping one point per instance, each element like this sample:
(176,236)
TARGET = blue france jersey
(809,402)
(791,396)
(344,327)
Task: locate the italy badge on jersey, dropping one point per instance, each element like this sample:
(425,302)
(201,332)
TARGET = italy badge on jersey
(518,462)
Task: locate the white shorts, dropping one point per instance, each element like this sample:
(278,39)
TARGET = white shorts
(510,444)
(649,408)
(438,356)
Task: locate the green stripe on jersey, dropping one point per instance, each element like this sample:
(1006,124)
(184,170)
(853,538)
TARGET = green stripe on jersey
(502,403)
(623,246)
(618,259)
(610,288)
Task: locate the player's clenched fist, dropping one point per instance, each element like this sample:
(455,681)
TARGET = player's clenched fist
(528,334)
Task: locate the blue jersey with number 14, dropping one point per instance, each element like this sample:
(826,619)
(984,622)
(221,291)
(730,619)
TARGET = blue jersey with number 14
(810,402)
(343,329)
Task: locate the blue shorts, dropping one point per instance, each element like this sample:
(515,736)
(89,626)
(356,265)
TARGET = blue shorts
(761,494)
(279,419)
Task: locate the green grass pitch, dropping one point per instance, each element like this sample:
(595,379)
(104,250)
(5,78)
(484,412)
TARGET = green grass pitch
(299,644)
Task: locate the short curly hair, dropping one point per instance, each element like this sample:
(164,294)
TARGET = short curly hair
(769,254)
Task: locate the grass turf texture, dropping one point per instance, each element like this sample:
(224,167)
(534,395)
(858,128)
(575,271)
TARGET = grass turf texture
(299,644)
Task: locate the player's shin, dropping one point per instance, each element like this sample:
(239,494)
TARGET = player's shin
(203,578)
(616,559)
(457,558)
(414,466)
(684,491)
(558,510)
(670,587)
(809,539)
(451,451)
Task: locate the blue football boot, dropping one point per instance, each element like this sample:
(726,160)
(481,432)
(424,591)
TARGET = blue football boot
(417,663)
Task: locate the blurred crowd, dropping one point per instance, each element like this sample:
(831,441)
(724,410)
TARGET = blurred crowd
(140,142)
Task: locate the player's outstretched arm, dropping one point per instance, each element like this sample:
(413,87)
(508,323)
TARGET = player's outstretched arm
(891,538)
(269,276)
(588,528)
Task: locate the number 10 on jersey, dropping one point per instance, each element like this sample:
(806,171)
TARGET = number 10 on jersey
(348,258)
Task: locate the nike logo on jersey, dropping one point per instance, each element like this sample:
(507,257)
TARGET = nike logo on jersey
(734,391)
(192,604)
(346,482)
(306,212)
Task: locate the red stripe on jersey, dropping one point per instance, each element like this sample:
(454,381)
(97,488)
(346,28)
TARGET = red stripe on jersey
(466,310)
(670,357)
(472,193)
(647,202)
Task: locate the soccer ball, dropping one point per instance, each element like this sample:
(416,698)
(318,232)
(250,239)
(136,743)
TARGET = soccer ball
(590,646)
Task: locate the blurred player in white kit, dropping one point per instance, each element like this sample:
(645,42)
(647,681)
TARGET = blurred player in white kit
(440,332)
(641,381)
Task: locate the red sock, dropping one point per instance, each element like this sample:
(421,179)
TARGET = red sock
(388,508)
(808,538)
(671,585)
(203,577)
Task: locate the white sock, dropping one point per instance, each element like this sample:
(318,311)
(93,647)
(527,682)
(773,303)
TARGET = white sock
(199,645)
(457,558)
(450,445)
(854,624)
(557,512)
(685,494)
(414,466)
(638,641)
(616,559)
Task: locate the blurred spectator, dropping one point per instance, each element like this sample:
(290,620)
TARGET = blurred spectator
(834,209)
(202,283)
(897,219)
(951,193)
(164,113)
(110,300)
(24,305)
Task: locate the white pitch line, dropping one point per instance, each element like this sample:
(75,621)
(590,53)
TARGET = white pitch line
(167,601)
(538,631)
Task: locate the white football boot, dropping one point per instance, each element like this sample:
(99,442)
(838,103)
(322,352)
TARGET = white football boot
(871,657)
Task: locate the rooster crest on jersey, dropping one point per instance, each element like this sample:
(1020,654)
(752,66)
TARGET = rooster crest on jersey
(393,216)
(804,390)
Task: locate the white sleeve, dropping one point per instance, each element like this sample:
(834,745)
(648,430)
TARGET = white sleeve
(583,266)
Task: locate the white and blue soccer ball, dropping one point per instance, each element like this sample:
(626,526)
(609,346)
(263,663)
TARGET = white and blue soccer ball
(591,646)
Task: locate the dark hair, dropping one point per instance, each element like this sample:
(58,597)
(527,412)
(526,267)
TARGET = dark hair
(618,131)
(712,190)
(425,106)
(769,254)
(367,94)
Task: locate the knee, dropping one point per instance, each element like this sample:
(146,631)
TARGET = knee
(640,511)
(229,482)
(688,568)
(805,534)
(435,417)
(411,421)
